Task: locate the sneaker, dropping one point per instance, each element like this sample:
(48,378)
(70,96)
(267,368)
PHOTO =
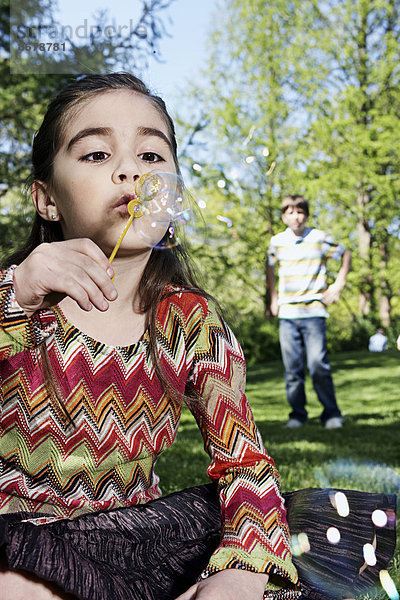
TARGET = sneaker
(334,423)
(294,424)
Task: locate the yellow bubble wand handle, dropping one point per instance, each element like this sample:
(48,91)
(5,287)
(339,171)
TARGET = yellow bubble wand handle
(121,237)
(135,211)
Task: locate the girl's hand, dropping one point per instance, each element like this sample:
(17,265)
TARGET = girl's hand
(75,268)
(230,584)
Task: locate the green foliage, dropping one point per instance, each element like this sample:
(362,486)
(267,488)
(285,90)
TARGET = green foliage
(259,339)
(16,216)
(302,97)
(352,153)
(346,334)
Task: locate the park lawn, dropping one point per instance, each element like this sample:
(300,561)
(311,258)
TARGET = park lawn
(364,455)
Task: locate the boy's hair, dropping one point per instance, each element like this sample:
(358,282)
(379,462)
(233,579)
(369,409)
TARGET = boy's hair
(295,201)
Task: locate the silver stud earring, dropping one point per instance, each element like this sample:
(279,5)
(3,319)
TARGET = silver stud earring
(54,217)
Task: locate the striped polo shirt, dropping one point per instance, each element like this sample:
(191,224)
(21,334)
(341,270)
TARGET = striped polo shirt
(302,271)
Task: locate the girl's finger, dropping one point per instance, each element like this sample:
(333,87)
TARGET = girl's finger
(79,285)
(98,276)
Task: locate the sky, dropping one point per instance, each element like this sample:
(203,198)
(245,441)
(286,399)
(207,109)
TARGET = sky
(187,21)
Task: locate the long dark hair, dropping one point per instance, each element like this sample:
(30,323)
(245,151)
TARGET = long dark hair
(165,266)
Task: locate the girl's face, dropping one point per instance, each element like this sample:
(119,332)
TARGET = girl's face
(112,140)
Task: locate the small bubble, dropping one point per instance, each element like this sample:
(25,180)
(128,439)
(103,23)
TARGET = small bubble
(333,535)
(388,585)
(341,504)
(196,167)
(221,183)
(250,159)
(300,544)
(225,220)
(379,518)
(265,151)
(369,554)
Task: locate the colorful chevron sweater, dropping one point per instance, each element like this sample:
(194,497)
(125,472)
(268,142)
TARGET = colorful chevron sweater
(123,421)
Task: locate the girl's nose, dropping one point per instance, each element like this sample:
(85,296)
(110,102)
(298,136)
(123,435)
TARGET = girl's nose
(120,177)
(126,171)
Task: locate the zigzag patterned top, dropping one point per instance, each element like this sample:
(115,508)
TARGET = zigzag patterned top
(123,420)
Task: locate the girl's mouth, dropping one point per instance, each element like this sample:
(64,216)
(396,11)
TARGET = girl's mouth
(122,203)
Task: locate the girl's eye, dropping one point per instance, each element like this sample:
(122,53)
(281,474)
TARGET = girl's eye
(151,157)
(95,156)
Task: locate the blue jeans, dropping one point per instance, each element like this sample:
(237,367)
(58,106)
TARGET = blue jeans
(300,338)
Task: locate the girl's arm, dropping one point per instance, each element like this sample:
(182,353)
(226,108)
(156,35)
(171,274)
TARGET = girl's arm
(255,532)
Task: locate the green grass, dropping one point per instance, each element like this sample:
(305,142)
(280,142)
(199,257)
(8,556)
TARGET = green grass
(364,455)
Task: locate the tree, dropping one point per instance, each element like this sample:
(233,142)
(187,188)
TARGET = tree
(352,155)
(250,101)
(309,93)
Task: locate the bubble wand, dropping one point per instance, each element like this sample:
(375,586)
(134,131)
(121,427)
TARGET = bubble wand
(149,182)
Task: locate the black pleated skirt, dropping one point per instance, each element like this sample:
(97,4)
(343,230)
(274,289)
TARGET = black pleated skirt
(156,551)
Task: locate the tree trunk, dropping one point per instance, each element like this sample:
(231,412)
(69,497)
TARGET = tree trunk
(385,289)
(366,299)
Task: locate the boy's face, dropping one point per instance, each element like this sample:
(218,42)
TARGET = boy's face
(295,218)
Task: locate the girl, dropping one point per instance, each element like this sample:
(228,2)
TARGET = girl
(93,377)
(94,374)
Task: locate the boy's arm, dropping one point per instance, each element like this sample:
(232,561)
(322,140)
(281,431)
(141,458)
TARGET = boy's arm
(332,293)
(271,295)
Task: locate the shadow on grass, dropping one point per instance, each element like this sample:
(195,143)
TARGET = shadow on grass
(365,359)
(306,456)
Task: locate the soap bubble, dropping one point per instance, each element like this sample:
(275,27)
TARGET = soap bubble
(333,535)
(225,220)
(299,544)
(339,501)
(164,213)
(363,474)
(388,585)
(369,554)
(379,518)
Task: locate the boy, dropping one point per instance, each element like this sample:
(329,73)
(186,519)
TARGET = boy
(301,254)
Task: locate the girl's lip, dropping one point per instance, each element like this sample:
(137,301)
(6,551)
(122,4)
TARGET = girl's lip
(123,201)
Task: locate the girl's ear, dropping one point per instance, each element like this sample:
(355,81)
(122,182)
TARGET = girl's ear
(43,202)
(284,219)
